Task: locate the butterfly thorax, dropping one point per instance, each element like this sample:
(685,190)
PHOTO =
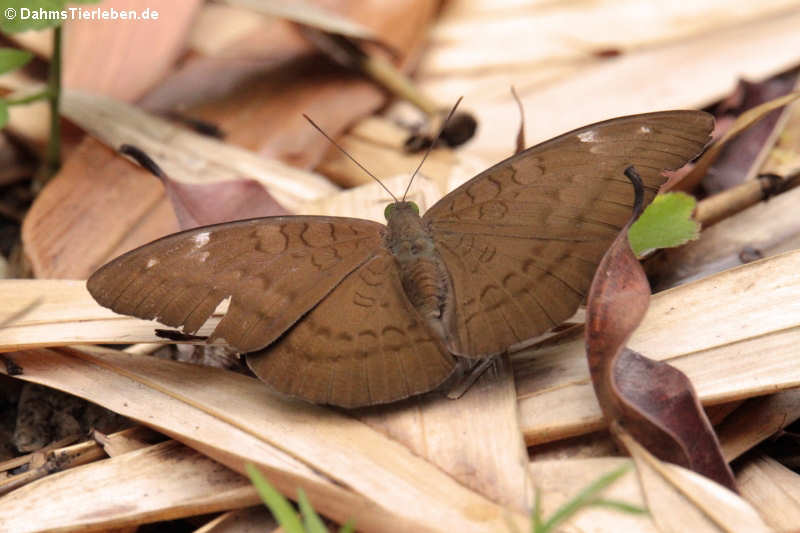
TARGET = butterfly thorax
(422,271)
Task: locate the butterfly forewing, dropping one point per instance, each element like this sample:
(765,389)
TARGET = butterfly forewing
(364,344)
(521,240)
(273,269)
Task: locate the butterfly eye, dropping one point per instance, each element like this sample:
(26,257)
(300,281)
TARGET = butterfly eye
(388,211)
(415,207)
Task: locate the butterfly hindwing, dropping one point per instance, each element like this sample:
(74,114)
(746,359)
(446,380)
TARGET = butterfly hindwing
(522,239)
(364,344)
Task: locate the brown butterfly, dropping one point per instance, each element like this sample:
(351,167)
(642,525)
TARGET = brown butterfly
(350,312)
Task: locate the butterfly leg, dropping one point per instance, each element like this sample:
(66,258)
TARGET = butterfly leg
(465,375)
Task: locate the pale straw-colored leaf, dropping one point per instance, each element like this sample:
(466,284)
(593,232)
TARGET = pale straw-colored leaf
(756,420)
(59,312)
(558,481)
(550,56)
(188,156)
(348,469)
(734,334)
(771,488)
(160,482)
(680,500)
(309,14)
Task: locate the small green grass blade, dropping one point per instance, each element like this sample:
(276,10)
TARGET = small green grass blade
(348,527)
(311,520)
(584,498)
(619,506)
(280,507)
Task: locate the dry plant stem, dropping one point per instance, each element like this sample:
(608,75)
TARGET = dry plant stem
(54,458)
(736,199)
(745,120)
(346,52)
(397,83)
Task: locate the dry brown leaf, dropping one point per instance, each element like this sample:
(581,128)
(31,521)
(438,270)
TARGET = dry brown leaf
(744,156)
(67,233)
(655,402)
(122,59)
(185,155)
(762,230)
(709,329)
(204,204)
(77,223)
(239,420)
(228,47)
(257,92)
(743,121)
(311,15)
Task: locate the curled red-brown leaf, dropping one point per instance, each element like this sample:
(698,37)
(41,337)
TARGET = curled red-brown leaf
(653,401)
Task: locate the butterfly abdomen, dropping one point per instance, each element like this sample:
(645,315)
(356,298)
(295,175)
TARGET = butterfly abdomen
(423,284)
(422,271)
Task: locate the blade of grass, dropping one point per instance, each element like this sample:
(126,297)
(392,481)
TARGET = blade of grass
(619,506)
(584,498)
(280,507)
(311,520)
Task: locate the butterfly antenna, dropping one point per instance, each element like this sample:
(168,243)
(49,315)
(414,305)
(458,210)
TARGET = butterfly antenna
(430,148)
(370,174)
(521,132)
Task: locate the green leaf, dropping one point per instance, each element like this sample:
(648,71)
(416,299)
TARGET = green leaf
(12,59)
(311,520)
(280,507)
(348,527)
(3,113)
(666,223)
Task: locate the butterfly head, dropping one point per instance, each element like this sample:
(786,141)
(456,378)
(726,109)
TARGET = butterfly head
(397,207)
